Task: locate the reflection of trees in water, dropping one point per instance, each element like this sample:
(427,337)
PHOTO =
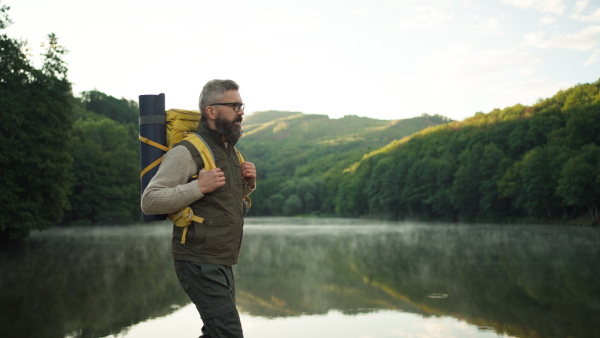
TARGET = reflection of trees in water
(85,285)
(525,281)
(520,280)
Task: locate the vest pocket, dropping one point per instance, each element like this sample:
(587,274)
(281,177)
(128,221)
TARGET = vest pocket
(178,233)
(195,235)
(217,237)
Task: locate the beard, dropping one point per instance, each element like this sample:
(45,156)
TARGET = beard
(229,129)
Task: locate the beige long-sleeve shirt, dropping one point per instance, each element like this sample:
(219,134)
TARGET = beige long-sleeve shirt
(169,190)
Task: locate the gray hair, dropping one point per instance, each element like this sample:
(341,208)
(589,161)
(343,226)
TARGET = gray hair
(212,91)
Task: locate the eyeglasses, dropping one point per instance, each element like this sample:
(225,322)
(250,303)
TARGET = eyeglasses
(235,105)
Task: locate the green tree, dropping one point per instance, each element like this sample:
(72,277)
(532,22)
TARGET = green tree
(275,204)
(583,126)
(35,127)
(540,170)
(310,190)
(582,95)
(579,182)
(383,187)
(419,187)
(542,125)
(292,206)
(439,201)
(518,141)
(465,192)
(492,166)
(105,174)
(350,199)
(121,110)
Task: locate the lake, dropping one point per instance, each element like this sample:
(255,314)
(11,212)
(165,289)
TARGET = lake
(313,277)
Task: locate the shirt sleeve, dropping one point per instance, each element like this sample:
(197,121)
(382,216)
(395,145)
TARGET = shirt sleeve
(247,190)
(169,190)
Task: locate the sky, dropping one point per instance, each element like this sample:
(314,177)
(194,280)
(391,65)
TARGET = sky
(383,59)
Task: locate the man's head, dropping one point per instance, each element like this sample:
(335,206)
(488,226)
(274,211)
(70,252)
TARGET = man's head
(222,108)
(212,92)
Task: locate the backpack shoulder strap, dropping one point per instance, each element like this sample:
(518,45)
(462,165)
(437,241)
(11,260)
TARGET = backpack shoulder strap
(239,155)
(193,151)
(200,151)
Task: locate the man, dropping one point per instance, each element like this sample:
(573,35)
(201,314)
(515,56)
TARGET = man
(203,260)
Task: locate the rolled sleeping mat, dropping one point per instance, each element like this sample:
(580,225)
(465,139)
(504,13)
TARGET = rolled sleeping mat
(152,128)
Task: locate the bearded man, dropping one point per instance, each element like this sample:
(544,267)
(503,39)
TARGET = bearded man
(203,262)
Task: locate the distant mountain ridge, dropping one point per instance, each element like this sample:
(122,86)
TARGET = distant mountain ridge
(276,125)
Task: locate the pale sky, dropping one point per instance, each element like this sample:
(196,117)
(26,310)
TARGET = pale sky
(384,59)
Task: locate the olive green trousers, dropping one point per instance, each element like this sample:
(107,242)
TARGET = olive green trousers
(211,287)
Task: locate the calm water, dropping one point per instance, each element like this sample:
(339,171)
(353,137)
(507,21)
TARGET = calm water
(313,278)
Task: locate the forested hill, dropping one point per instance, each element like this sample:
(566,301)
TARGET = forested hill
(284,142)
(296,155)
(537,163)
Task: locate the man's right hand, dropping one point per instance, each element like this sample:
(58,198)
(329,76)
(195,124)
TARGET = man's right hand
(209,181)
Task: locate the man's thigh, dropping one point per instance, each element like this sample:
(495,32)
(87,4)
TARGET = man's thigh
(210,287)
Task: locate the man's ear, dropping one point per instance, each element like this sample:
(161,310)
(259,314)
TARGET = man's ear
(211,112)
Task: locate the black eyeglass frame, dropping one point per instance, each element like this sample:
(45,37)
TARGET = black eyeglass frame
(239,105)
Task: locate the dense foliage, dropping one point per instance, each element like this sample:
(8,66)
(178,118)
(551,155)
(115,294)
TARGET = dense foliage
(534,163)
(301,158)
(105,187)
(63,159)
(120,110)
(36,105)
(523,163)
(105,150)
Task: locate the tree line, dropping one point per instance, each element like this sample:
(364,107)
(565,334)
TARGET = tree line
(537,163)
(64,159)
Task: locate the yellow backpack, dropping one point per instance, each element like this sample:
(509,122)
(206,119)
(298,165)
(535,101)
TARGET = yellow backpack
(181,125)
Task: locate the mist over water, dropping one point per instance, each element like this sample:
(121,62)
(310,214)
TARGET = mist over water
(518,281)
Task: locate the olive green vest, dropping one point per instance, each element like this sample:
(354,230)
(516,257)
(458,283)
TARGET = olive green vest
(218,239)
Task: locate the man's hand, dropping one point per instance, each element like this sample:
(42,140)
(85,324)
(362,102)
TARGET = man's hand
(209,181)
(249,174)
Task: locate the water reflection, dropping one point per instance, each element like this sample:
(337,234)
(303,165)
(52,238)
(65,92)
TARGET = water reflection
(520,281)
(380,324)
(85,282)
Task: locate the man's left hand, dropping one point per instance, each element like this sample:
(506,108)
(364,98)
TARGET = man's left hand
(249,174)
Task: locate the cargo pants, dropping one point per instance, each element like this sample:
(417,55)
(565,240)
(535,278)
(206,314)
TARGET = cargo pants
(211,287)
